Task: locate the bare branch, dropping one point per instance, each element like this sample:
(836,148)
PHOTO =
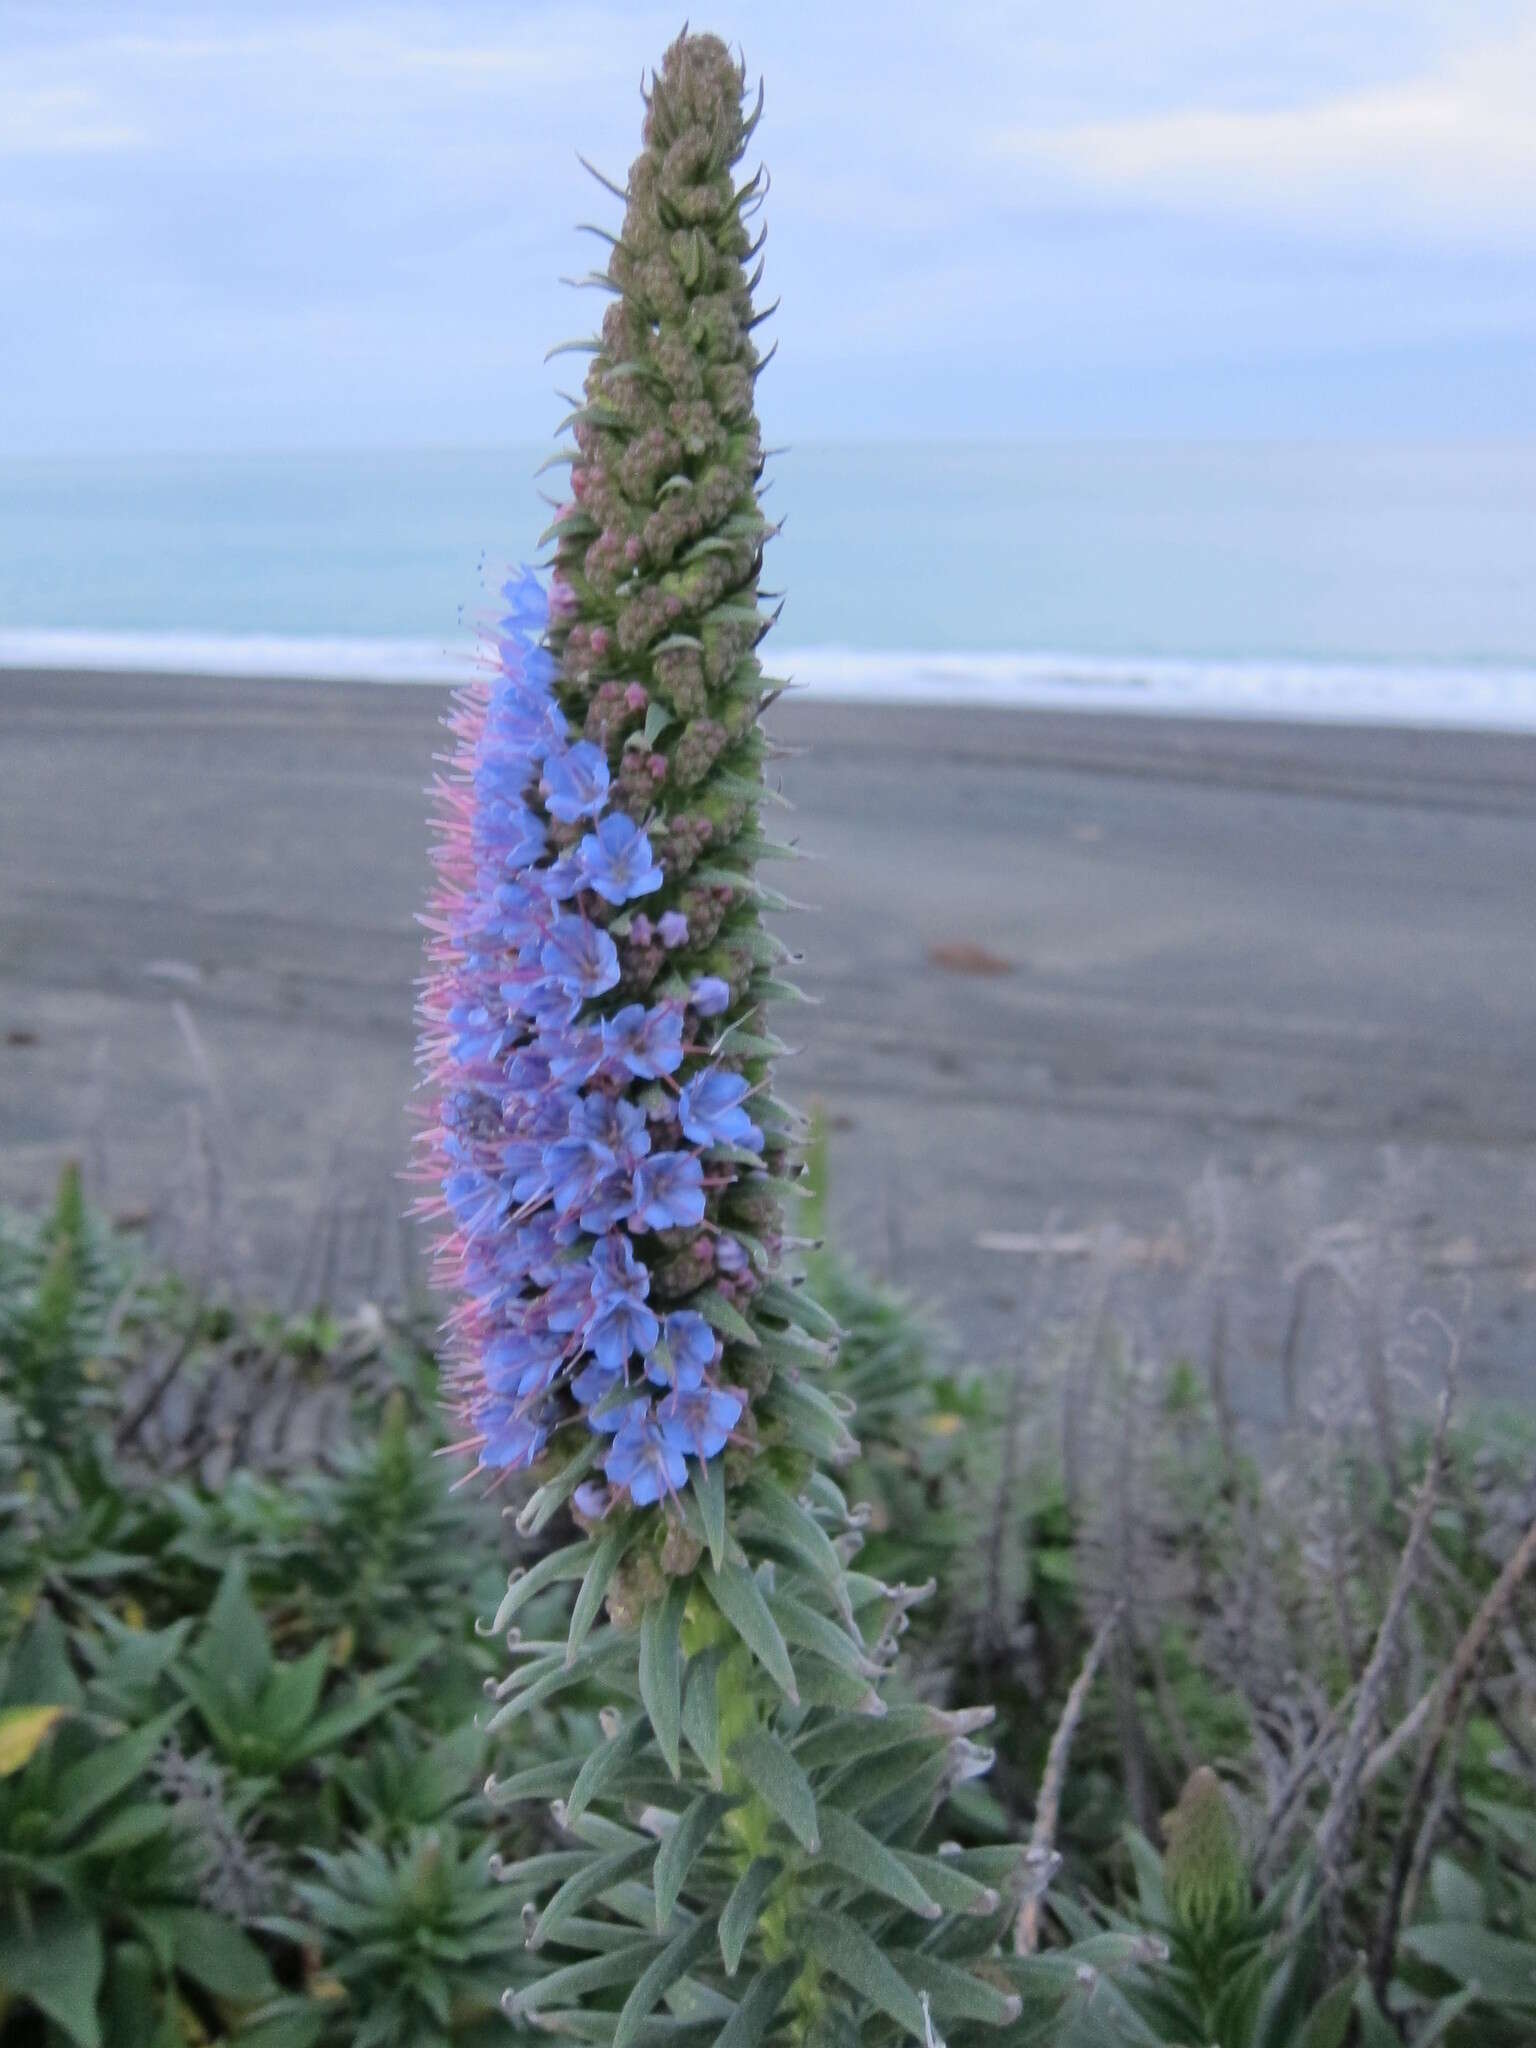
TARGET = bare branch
(1042,1836)
(1444,1711)
(1337,1815)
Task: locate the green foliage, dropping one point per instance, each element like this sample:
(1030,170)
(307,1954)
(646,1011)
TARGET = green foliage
(234,1724)
(421,1934)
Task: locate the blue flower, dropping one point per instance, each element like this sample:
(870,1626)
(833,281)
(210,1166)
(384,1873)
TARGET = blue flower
(611,1201)
(513,1439)
(699,1419)
(709,1109)
(616,861)
(574,1165)
(619,1124)
(524,724)
(576,782)
(647,1043)
(575,1055)
(562,878)
(545,1108)
(604,1137)
(689,1351)
(527,606)
(591,1385)
(710,995)
(579,958)
(642,1459)
(522,1362)
(476,1199)
(622,1326)
(510,917)
(669,1192)
(615,1268)
(513,833)
(532,1253)
(567,1301)
(477,1036)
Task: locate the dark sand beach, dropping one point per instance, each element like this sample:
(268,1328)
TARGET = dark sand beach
(1194,1003)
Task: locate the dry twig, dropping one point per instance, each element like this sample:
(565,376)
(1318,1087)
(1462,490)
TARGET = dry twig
(1042,1836)
(1441,1707)
(1340,1809)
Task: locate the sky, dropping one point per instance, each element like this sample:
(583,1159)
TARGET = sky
(273,226)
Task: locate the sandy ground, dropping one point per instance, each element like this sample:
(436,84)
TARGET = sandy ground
(1192,1002)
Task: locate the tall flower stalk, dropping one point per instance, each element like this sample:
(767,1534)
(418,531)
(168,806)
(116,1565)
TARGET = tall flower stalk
(747,1852)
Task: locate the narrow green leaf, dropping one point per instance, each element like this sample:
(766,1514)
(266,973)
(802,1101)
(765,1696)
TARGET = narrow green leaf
(801,1532)
(755,2014)
(709,1488)
(1328,2022)
(812,1631)
(1440,2021)
(570,1563)
(954,1890)
(743,1906)
(825,1685)
(598,1874)
(1504,1968)
(784,1788)
(658,1976)
(540,1508)
(701,1711)
(728,1320)
(558,1677)
(661,1670)
(129,1828)
(871,1777)
(299,2027)
(599,1575)
(813,1424)
(954,1993)
(233,1644)
(215,1953)
(859,1855)
(849,1953)
(575,1980)
(540,1781)
(796,1306)
(1147,1867)
(740,1599)
(675,1857)
(56,1965)
(292,1693)
(87,1786)
(601,1765)
(842,1742)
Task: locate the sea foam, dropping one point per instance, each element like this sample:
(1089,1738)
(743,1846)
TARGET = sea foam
(1493,697)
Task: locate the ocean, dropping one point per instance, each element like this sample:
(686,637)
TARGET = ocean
(1369,582)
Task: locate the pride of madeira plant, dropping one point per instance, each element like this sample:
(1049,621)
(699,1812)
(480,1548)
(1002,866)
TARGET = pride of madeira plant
(745,1852)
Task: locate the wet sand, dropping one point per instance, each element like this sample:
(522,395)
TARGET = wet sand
(1234,992)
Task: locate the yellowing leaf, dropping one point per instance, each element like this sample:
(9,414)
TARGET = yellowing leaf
(133,1615)
(23,1732)
(943,1425)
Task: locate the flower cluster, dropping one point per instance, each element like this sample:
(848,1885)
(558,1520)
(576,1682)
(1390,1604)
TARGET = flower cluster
(580,1137)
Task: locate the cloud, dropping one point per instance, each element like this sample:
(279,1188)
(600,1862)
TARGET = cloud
(1449,153)
(322,219)
(41,118)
